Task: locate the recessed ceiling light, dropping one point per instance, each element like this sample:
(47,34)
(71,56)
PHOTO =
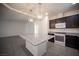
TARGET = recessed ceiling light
(39,16)
(73,3)
(31,20)
(46,13)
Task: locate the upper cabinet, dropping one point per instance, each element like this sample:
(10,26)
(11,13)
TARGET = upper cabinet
(71,21)
(60,20)
(51,24)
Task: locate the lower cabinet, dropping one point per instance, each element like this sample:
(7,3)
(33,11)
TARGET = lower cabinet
(51,40)
(72,41)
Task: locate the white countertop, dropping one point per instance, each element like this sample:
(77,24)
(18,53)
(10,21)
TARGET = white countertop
(36,39)
(75,31)
(65,31)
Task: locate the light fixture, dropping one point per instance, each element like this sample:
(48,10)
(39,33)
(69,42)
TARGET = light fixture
(73,3)
(39,16)
(30,20)
(46,13)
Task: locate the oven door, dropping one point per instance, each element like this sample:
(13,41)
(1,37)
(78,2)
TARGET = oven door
(60,39)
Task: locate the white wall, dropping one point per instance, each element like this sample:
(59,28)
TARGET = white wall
(10,28)
(42,26)
(29,28)
(13,23)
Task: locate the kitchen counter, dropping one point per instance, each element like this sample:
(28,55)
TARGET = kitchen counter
(65,31)
(36,39)
(36,44)
(70,36)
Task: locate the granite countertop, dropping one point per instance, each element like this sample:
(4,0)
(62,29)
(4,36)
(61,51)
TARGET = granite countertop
(36,39)
(67,33)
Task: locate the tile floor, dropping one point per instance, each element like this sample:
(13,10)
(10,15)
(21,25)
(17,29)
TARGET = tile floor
(15,46)
(58,50)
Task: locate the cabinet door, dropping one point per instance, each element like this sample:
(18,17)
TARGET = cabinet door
(51,40)
(77,42)
(69,22)
(71,41)
(75,23)
(51,24)
(72,21)
(61,20)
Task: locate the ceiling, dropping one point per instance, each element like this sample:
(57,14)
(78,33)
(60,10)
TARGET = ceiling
(41,8)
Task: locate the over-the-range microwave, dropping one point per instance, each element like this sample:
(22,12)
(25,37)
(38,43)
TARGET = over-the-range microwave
(60,25)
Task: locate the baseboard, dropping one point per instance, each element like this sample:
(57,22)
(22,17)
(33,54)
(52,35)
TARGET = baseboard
(8,35)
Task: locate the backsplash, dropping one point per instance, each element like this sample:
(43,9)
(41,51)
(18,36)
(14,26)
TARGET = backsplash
(71,30)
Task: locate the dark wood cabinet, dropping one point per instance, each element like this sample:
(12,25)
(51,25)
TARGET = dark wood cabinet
(76,21)
(51,39)
(72,41)
(51,24)
(69,22)
(61,20)
(72,21)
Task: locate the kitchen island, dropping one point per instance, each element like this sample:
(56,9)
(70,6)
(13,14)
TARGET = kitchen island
(36,44)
